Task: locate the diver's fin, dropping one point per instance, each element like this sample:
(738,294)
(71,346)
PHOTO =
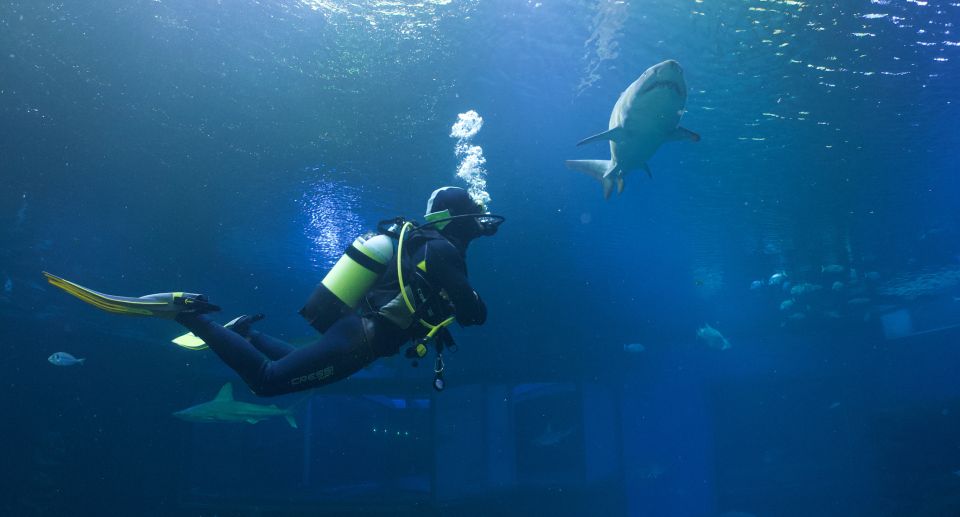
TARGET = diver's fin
(683,134)
(163,305)
(190,341)
(225,394)
(616,133)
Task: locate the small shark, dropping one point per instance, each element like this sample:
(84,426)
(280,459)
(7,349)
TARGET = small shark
(646,115)
(223,408)
(551,438)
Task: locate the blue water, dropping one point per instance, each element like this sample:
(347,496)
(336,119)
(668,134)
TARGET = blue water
(235,148)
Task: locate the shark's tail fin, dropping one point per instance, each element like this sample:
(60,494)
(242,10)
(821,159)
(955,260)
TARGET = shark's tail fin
(296,407)
(599,169)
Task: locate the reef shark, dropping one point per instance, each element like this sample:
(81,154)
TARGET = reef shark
(223,408)
(646,115)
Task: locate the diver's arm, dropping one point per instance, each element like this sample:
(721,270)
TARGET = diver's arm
(448,270)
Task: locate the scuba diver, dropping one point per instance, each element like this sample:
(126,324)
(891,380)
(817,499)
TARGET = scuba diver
(406,283)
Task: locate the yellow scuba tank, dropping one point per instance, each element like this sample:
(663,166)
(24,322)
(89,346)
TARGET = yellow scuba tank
(351,277)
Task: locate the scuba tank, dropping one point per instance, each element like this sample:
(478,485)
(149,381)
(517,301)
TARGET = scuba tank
(352,276)
(365,261)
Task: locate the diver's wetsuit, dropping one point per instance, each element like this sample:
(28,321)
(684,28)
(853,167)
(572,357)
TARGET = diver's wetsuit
(272,367)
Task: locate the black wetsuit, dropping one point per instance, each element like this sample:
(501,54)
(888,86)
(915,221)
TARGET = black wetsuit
(272,367)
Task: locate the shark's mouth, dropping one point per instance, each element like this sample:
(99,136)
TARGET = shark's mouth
(663,84)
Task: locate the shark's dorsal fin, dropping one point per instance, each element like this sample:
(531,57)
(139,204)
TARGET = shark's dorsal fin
(225,394)
(616,133)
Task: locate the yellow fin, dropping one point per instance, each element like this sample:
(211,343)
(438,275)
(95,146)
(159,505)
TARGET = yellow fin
(190,341)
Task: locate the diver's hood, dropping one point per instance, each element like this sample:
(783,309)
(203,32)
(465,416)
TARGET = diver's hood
(448,208)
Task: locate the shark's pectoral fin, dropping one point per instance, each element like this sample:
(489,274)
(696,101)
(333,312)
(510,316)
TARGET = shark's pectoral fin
(596,168)
(617,133)
(683,134)
(290,420)
(620,185)
(599,169)
(252,420)
(646,167)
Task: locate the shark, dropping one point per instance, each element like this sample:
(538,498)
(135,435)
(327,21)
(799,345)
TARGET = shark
(646,115)
(223,408)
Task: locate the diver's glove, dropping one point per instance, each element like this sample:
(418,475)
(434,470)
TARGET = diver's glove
(445,339)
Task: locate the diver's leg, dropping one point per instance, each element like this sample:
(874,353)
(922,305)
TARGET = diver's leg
(232,348)
(344,350)
(270,346)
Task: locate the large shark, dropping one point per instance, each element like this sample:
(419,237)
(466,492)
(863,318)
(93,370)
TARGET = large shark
(646,115)
(223,408)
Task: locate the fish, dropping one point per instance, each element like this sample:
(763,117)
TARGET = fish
(837,286)
(646,115)
(798,316)
(633,348)
(804,288)
(777,278)
(756,284)
(833,268)
(872,276)
(224,409)
(64,359)
(713,338)
(786,305)
(552,438)
(858,301)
